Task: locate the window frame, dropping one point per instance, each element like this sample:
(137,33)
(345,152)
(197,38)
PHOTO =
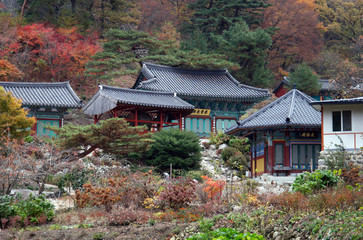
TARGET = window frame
(345,121)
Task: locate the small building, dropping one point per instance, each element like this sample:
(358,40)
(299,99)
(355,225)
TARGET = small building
(156,110)
(342,123)
(47,102)
(218,98)
(325,92)
(285,135)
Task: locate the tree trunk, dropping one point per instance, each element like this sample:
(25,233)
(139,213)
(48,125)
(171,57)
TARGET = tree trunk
(22,8)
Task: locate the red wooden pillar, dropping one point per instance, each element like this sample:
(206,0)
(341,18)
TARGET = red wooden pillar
(287,150)
(95,120)
(161,119)
(136,117)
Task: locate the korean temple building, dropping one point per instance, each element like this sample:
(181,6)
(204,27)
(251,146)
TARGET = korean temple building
(285,135)
(218,98)
(156,110)
(47,102)
(325,93)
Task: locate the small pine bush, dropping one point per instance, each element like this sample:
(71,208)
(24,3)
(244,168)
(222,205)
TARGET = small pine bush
(179,148)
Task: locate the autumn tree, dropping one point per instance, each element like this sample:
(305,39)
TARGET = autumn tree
(298,32)
(344,24)
(112,136)
(13,159)
(347,80)
(45,53)
(8,71)
(304,78)
(13,118)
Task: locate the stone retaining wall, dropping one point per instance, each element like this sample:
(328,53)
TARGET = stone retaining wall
(355,157)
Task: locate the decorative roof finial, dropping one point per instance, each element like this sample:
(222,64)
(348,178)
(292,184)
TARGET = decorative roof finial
(294,86)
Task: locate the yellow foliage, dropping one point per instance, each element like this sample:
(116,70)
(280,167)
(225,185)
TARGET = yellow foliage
(13,118)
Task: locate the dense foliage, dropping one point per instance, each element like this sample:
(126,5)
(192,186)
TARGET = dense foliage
(13,118)
(311,182)
(179,148)
(35,209)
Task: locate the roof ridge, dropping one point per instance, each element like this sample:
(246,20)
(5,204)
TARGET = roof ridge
(292,104)
(159,66)
(137,90)
(35,83)
(244,85)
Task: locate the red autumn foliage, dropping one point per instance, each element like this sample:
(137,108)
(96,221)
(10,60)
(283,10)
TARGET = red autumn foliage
(45,53)
(298,36)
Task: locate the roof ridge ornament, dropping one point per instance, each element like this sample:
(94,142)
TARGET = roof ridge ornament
(100,86)
(174,94)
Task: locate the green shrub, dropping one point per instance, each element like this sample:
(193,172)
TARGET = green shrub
(6,209)
(34,207)
(228,152)
(311,182)
(240,144)
(180,148)
(220,138)
(226,234)
(29,139)
(235,159)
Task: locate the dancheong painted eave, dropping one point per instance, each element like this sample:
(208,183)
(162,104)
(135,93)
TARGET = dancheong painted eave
(108,98)
(291,110)
(44,94)
(199,84)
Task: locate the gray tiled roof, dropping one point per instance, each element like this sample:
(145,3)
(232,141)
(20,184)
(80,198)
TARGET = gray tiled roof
(108,97)
(197,83)
(292,109)
(57,94)
(326,85)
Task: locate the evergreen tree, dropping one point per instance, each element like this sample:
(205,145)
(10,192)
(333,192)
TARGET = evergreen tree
(179,148)
(215,16)
(13,118)
(248,49)
(304,78)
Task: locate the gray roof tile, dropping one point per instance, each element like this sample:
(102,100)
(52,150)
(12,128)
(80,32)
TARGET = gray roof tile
(58,94)
(197,83)
(108,97)
(326,85)
(292,109)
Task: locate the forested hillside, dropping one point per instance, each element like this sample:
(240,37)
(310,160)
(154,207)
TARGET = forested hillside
(103,41)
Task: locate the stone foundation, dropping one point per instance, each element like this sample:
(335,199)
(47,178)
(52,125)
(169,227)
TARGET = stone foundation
(355,157)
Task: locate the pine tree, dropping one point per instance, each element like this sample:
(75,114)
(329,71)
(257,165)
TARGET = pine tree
(305,79)
(113,136)
(248,49)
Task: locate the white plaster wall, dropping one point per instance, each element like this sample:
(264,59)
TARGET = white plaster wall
(348,137)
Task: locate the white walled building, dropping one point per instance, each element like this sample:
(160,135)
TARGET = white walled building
(341,119)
